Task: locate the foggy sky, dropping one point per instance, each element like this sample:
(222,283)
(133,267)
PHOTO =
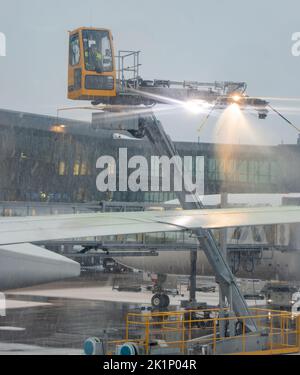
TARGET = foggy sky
(180,40)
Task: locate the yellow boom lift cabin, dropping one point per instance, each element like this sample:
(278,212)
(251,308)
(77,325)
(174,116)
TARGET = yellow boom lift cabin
(92,71)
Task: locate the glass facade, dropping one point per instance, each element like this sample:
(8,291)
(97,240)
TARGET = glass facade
(47,162)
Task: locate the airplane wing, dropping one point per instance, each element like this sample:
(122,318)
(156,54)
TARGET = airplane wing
(23,263)
(45,228)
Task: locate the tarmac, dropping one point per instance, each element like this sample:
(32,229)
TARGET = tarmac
(57,318)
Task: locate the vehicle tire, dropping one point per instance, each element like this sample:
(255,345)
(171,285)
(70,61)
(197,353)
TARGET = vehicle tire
(160,300)
(156,300)
(166,300)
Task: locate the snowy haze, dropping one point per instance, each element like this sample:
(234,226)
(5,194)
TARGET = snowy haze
(192,40)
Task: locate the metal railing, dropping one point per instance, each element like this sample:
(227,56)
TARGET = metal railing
(128,68)
(198,332)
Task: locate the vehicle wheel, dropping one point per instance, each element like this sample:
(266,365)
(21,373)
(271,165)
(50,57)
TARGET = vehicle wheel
(156,300)
(160,300)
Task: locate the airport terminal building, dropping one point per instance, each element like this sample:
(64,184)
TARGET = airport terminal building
(50,159)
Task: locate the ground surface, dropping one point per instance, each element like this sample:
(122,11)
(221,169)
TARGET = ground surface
(57,318)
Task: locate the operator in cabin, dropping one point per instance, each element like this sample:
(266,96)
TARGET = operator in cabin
(94,59)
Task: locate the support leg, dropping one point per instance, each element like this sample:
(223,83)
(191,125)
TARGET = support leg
(193,279)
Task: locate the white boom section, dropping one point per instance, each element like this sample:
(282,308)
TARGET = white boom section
(45,228)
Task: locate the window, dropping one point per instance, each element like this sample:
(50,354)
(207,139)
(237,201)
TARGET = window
(94,82)
(212,169)
(76,169)
(264,172)
(97,51)
(74,53)
(274,170)
(242,170)
(62,168)
(237,234)
(84,169)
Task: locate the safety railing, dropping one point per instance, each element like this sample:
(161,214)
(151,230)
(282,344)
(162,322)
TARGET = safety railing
(213,331)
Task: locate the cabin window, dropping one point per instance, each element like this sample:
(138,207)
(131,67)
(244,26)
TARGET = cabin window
(74,50)
(97,51)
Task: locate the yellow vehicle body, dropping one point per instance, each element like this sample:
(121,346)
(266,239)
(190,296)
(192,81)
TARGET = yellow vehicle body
(92,71)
